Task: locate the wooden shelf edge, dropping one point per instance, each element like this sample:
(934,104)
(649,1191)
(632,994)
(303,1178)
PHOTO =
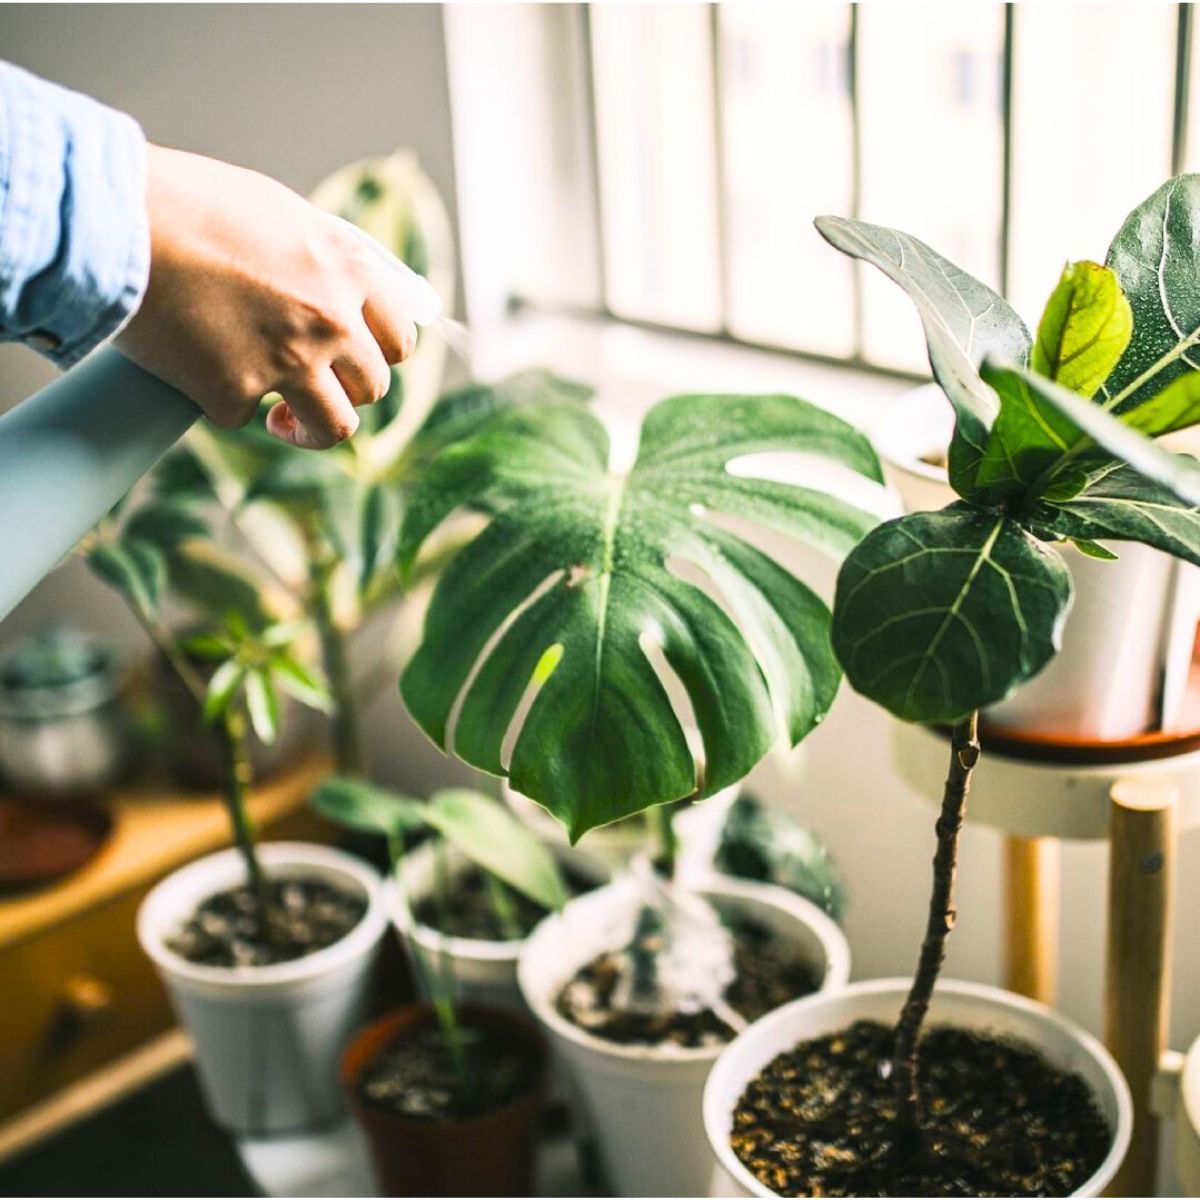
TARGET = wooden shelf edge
(94,1092)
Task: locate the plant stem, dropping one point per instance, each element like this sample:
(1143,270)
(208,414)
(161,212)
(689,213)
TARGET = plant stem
(964,754)
(668,847)
(347,744)
(438,985)
(506,910)
(237,772)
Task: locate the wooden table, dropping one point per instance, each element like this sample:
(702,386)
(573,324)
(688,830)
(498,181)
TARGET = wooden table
(84,1017)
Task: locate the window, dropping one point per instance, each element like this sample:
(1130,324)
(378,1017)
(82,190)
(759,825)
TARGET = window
(1010,137)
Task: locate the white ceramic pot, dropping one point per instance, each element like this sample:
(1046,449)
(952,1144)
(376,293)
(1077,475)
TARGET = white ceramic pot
(644,1102)
(484,972)
(970,1005)
(268,1040)
(1128,639)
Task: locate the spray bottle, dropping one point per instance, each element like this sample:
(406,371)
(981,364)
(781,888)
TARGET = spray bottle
(70,452)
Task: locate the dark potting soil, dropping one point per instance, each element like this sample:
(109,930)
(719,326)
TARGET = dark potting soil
(307,915)
(768,974)
(414,1076)
(998,1120)
(469,910)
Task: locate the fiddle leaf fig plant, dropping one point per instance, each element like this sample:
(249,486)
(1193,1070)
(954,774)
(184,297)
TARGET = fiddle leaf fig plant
(939,614)
(575,586)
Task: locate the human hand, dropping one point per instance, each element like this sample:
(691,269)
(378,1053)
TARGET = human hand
(253,290)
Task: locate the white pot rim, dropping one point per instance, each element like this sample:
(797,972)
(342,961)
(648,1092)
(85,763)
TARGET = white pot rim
(538,996)
(436,942)
(160,912)
(716,1115)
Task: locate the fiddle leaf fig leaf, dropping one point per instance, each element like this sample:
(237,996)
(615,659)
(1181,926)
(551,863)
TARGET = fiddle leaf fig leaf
(1028,438)
(1177,406)
(1086,430)
(938,614)
(574,586)
(490,836)
(964,321)
(1084,330)
(1124,505)
(1156,257)
(1094,549)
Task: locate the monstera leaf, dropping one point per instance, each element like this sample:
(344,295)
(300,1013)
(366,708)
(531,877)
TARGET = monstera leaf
(964,321)
(938,614)
(574,590)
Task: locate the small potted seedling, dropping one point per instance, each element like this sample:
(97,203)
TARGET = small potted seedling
(938,615)
(571,629)
(448,1093)
(266,950)
(460,909)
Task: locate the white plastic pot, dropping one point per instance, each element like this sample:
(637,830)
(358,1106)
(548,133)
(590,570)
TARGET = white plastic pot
(969,1005)
(268,1040)
(1140,610)
(644,1102)
(484,971)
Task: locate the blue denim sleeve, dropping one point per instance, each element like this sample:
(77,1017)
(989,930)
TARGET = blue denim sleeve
(74,235)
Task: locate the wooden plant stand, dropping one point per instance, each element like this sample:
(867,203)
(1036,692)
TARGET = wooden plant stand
(1139,795)
(85,1018)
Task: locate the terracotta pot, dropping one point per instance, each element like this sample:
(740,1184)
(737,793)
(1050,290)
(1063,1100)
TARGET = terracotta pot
(491,1155)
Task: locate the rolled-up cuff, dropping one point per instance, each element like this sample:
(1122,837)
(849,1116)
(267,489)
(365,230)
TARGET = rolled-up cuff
(74,234)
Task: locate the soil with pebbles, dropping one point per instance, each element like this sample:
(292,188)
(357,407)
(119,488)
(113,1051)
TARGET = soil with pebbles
(997,1120)
(768,973)
(306,916)
(415,1076)
(469,909)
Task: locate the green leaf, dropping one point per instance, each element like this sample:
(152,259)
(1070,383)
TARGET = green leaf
(283,634)
(222,688)
(300,477)
(300,683)
(375,517)
(460,414)
(1084,330)
(578,559)
(1156,256)
(263,705)
(136,569)
(964,320)
(1028,438)
(208,646)
(167,522)
(1177,406)
(1123,505)
(1094,550)
(367,809)
(938,614)
(215,581)
(180,476)
(1088,430)
(489,835)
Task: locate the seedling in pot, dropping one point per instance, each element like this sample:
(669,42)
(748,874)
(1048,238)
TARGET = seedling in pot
(484,833)
(145,550)
(938,615)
